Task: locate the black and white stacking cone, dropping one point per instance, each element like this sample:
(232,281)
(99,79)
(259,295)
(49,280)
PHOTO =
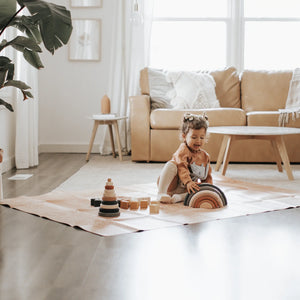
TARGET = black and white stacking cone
(109,206)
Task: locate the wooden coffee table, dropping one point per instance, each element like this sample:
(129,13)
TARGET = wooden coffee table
(271,133)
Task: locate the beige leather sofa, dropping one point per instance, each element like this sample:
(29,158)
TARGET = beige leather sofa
(250,98)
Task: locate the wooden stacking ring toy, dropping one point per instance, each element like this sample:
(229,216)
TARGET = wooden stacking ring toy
(209,196)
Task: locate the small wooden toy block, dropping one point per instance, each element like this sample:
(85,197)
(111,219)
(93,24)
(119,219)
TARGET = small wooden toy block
(155,202)
(148,199)
(154,208)
(124,204)
(134,204)
(95,202)
(144,204)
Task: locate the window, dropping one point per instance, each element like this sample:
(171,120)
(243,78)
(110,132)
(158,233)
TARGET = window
(271,33)
(201,34)
(189,34)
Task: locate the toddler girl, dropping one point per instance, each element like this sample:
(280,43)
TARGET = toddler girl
(190,163)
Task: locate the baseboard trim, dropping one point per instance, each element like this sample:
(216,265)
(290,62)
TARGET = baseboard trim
(67,148)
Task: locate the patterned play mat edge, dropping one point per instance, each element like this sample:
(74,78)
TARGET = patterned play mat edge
(74,209)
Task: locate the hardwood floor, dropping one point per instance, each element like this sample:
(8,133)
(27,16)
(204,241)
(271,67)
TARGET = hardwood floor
(53,169)
(252,257)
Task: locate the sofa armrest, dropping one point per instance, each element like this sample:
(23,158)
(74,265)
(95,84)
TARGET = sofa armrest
(140,127)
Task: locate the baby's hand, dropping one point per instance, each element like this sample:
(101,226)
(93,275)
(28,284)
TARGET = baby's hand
(192,187)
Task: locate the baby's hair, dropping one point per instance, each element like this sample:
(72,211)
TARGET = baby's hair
(191,121)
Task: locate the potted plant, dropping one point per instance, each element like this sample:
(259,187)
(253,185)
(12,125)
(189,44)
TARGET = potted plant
(46,23)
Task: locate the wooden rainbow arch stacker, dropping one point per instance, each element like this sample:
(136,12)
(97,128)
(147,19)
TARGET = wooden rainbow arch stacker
(209,196)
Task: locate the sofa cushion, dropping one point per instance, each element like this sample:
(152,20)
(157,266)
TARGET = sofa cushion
(227,85)
(159,88)
(193,90)
(228,89)
(264,90)
(172,119)
(268,118)
(144,82)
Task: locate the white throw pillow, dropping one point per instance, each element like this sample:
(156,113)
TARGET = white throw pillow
(193,90)
(159,88)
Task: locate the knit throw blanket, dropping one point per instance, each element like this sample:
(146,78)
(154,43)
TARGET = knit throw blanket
(292,106)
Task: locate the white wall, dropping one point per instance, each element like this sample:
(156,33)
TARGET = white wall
(70,91)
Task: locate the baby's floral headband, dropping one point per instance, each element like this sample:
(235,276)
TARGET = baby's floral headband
(192,117)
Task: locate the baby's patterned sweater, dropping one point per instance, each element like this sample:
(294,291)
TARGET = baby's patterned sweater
(192,165)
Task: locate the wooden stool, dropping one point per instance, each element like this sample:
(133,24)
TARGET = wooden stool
(112,121)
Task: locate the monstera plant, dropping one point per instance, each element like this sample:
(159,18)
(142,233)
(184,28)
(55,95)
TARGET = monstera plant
(43,23)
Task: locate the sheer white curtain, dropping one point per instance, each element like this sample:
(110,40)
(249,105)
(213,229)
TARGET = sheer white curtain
(26,112)
(26,151)
(129,54)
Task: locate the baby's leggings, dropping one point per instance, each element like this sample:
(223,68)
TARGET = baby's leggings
(168,182)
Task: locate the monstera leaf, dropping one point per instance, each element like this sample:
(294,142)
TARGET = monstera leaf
(7,70)
(7,105)
(28,46)
(47,23)
(54,22)
(7,10)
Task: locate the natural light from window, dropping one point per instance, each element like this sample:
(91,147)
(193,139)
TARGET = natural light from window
(201,34)
(272,8)
(181,39)
(188,45)
(190,8)
(268,45)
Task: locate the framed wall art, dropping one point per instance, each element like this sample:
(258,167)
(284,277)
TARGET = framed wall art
(85,41)
(86,3)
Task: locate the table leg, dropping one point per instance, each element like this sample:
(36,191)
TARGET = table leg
(277,155)
(92,140)
(118,139)
(284,156)
(226,156)
(112,140)
(125,125)
(221,153)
